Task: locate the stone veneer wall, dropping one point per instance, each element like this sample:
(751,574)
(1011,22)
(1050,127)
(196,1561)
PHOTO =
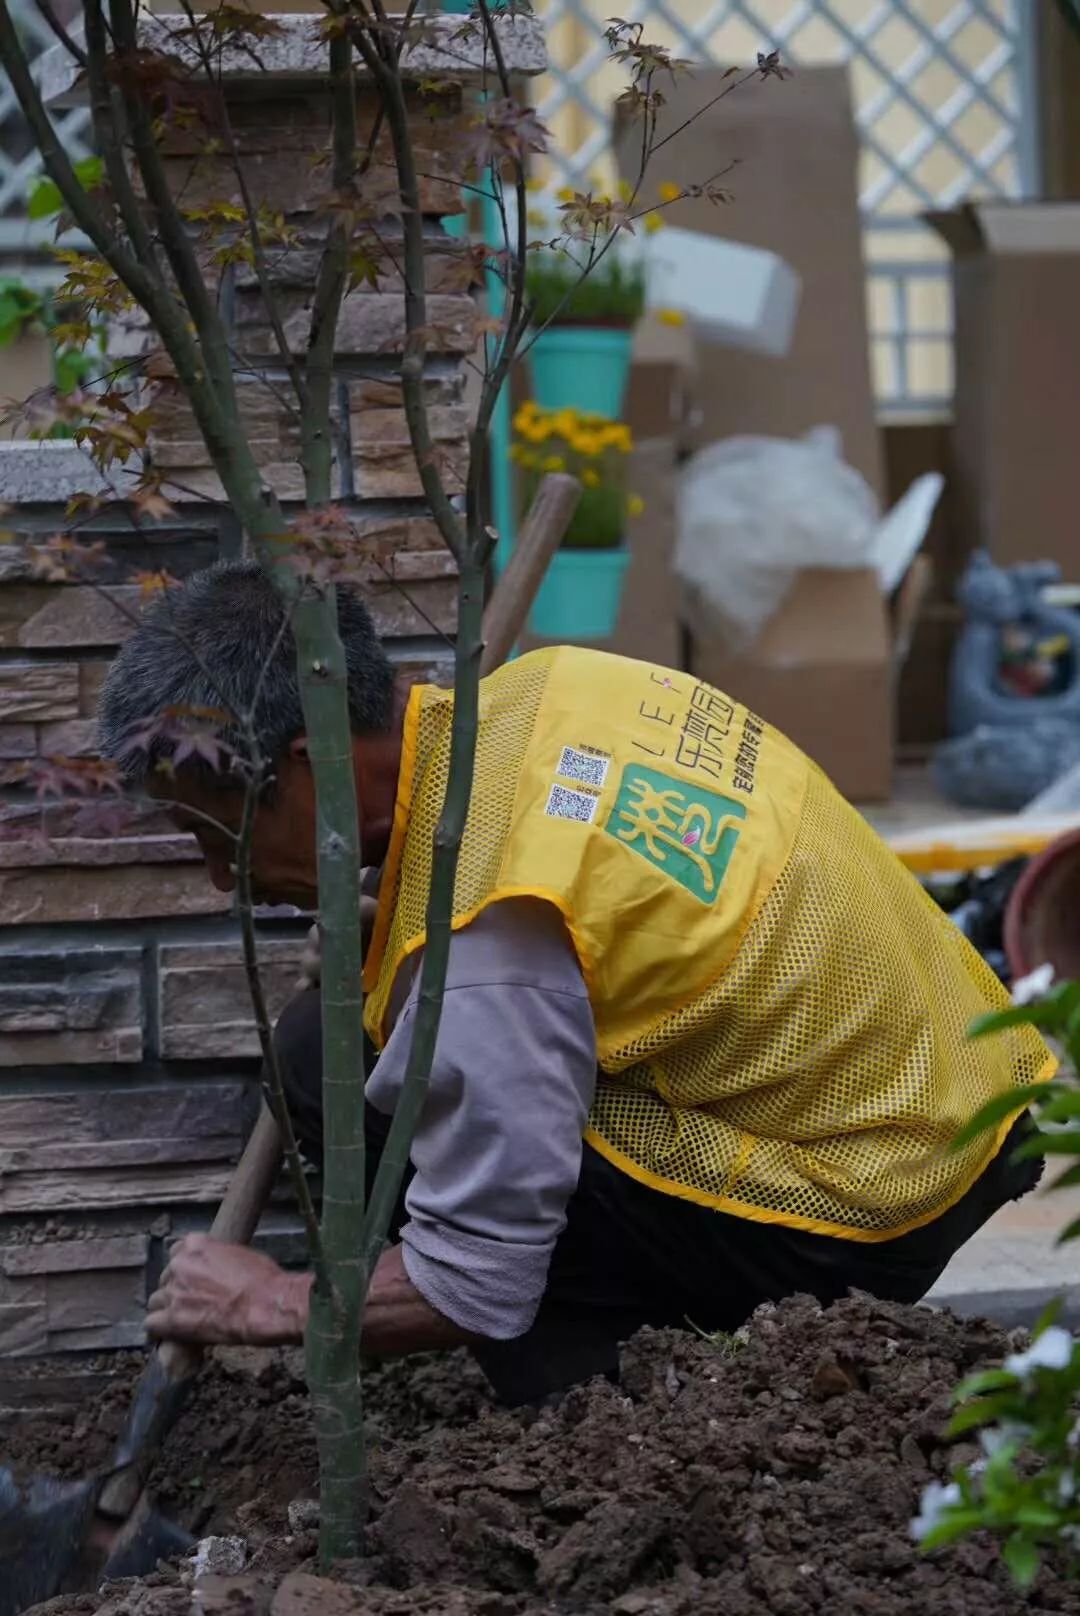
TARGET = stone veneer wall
(127,1052)
(127,1055)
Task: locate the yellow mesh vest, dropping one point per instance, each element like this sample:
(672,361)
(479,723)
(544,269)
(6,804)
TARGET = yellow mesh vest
(781,1011)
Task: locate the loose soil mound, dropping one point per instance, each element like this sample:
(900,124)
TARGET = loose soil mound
(777,1474)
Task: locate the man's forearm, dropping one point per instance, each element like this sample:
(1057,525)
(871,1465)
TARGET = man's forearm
(397,1319)
(212,1292)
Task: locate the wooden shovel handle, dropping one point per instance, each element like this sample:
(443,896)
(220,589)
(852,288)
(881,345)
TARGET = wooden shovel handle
(541,534)
(156,1398)
(236,1219)
(249,1189)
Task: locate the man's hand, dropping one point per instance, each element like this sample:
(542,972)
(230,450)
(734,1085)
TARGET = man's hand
(215,1294)
(311,958)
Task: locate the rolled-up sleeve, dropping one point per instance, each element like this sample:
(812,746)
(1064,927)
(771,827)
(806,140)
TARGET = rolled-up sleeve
(497,1152)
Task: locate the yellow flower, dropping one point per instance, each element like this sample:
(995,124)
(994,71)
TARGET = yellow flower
(565,193)
(554,463)
(590,478)
(535,218)
(671,316)
(533,186)
(668,191)
(625,190)
(635,505)
(652,222)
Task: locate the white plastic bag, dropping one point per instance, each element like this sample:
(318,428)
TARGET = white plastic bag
(751,513)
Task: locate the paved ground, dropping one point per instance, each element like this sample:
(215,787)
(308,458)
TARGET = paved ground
(915,804)
(1013,1267)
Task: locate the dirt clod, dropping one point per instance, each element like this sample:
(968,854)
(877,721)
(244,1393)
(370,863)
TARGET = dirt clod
(779,1473)
(221,1556)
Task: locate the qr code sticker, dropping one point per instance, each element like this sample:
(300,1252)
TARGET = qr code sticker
(584,766)
(563,803)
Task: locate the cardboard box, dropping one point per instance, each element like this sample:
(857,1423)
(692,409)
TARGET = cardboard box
(649,626)
(735,295)
(824,671)
(27,369)
(1016,268)
(795,194)
(663,378)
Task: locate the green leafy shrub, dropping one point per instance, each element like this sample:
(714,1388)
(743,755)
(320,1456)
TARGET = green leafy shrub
(613,293)
(1026,1415)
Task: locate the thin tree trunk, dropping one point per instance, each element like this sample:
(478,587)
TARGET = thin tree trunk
(333,1337)
(469,649)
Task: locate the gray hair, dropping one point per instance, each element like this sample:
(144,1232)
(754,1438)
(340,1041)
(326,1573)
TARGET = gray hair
(205,645)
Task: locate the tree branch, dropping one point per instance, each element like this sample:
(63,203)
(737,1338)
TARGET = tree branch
(172,230)
(246,913)
(258,252)
(708,106)
(388,78)
(440,909)
(60,32)
(104,112)
(333,1336)
(331,282)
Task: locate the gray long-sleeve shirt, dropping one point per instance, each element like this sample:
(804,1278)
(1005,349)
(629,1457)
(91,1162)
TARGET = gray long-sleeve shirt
(498,1148)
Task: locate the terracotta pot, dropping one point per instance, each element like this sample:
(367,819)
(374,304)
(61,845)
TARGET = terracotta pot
(1042,918)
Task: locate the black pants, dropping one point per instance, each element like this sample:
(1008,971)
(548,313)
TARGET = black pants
(631,1255)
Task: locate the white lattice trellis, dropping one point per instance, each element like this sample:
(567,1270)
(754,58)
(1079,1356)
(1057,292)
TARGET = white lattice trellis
(19,162)
(945,104)
(944,99)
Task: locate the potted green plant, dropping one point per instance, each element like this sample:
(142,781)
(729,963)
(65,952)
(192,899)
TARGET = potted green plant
(27,309)
(580,595)
(584,324)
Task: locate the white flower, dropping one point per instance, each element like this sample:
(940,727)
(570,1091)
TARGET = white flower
(937,1499)
(992,1438)
(1033,986)
(1052,1350)
(1066,1488)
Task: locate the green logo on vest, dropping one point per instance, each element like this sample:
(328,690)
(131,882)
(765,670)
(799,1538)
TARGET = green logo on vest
(681,829)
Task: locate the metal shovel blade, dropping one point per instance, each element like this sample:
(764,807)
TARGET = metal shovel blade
(42,1524)
(43,1530)
(145,1538)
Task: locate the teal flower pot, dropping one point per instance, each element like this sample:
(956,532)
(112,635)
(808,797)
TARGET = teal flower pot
(580,595)
(581,367)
